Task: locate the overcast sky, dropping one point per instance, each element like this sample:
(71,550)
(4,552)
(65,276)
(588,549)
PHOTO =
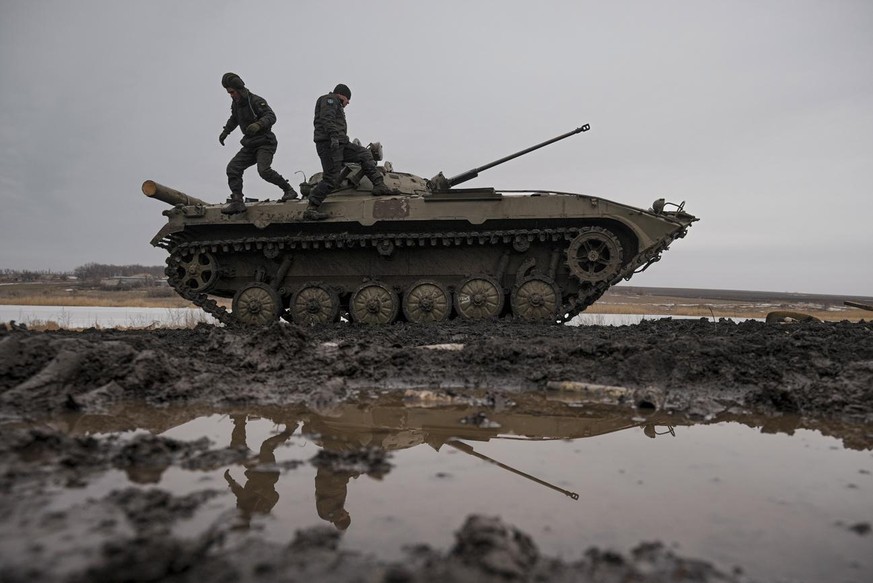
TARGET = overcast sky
(758,114)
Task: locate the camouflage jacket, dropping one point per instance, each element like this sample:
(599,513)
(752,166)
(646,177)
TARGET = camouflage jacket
(330,119)
(249,109)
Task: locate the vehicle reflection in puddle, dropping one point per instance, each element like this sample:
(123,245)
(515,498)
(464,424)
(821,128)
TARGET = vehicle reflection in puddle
(777,496)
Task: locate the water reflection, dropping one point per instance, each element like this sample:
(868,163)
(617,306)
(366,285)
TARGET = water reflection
(342,457)
(357,439)
(397,469)
(460,446)
(258,495)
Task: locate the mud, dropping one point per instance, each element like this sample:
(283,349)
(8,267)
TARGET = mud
(821,373)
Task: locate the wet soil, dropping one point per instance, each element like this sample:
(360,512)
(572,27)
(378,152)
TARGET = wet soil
(696,369)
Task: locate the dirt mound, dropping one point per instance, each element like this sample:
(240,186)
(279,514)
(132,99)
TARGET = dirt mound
(811,368)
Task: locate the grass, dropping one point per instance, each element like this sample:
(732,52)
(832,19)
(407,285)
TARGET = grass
(730,311)
(713,309)
(43,294)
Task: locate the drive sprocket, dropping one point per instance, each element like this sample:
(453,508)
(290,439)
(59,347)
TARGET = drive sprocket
(594,255)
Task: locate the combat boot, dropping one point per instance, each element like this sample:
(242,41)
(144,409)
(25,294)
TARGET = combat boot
(236,206)
(290,194)
(313,214)
(380,189)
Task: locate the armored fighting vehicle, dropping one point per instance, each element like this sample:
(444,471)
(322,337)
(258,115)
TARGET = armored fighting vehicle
(425,253)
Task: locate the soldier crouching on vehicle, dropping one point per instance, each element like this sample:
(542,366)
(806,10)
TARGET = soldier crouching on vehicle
(255,118)
(334,149)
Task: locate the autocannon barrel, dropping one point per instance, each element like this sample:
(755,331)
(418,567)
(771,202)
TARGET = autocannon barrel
(152,189)
(473,173)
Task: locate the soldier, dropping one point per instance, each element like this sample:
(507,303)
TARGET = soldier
(255,118)
(334,149)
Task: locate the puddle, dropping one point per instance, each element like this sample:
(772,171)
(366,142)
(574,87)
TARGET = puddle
(133,317)
(781,498)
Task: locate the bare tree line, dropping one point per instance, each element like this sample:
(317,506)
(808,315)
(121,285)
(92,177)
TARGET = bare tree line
(90,272)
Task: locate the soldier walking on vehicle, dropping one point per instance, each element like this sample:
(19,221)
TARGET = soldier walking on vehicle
(255,119)
(334,149)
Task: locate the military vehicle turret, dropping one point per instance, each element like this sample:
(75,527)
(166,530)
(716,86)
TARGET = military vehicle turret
(425,253)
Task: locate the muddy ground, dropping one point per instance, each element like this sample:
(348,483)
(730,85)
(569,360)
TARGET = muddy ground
(695,368)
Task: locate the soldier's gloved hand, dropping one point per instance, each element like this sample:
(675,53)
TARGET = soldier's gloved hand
(223,137)
(253,128)
(334,143)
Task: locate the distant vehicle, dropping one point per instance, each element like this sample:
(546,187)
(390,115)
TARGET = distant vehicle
(425,253)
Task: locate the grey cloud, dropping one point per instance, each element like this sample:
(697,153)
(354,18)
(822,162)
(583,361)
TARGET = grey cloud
(758,115)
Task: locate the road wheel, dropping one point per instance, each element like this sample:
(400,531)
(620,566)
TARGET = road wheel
(479,298)
(374,303)
(314,303)
(256,304)
(427,301)
(536,299)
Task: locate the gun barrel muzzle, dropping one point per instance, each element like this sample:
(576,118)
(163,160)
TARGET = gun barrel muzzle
(171,196)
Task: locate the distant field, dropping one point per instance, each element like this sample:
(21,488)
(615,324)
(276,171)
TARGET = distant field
(61,294)
(618,300)
(726,303)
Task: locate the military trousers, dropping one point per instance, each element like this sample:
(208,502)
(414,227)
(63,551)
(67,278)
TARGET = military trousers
(249,156)
(332,161)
